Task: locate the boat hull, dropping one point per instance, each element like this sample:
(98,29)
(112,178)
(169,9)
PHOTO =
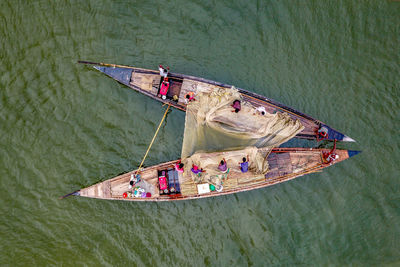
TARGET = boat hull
(285,164)
(148,82)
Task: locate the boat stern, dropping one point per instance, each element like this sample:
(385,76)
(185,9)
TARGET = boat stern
(100,190)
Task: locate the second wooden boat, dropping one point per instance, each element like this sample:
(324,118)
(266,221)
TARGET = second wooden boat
(163,182)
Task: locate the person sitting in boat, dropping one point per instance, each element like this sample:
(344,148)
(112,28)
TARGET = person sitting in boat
(196,170)
(135,178)
(223,167)
(331,156)
(260,110)
(164,88)
(189,97)
(244,165)
(322,133)
(163,72)
(236,106)
(179,166)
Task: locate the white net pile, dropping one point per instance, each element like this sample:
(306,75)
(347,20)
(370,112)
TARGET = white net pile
(212,126)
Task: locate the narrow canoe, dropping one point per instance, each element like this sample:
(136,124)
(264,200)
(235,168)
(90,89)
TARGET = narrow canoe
(284,164)
(148,83)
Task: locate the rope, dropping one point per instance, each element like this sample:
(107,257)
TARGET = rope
(154,137)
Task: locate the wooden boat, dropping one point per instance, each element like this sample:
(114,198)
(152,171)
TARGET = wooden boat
(148,82)
(284,164)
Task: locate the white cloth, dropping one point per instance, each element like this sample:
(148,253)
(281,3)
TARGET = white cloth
(261,109)
(163,72)
(203,188)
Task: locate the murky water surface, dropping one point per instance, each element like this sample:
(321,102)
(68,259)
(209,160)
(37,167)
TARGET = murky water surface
(65,126)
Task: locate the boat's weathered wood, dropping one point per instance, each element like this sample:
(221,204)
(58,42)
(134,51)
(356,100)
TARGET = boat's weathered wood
(147,82)
(285,164)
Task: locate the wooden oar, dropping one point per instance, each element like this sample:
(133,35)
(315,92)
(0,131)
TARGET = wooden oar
(75,193)
(110,65)
(104,64)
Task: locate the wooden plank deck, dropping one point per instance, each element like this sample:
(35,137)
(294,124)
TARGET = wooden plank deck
(195,87)
(147,82)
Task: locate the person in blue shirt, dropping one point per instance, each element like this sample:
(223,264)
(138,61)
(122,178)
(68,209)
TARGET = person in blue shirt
(244,166)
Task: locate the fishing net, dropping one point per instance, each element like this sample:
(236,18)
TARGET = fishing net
(212,126)
(209,162)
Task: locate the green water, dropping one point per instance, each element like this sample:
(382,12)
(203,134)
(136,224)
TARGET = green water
(65,126)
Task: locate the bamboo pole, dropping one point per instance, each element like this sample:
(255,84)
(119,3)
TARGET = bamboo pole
(154,137)
(110,65)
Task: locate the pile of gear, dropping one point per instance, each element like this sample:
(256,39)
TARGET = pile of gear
(136,188)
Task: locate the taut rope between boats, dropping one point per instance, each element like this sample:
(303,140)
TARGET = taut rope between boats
(154,137)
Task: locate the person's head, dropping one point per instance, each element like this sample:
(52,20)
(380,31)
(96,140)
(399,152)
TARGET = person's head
(263,113)
(236,110)
(131,182)
(181,165)
(244,159)
(187,96)
(222,162)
